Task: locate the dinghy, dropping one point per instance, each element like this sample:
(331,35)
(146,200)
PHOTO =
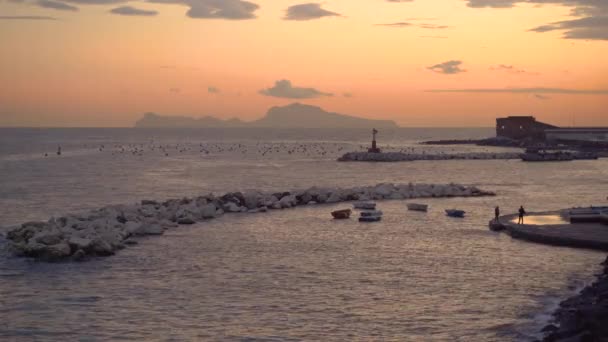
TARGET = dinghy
(455,212)
(417,207)
(364,205)
(370,216)
(341,214)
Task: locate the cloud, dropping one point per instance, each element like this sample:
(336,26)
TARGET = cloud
(397,24)
(96,2)
(284,89)
(594,28)
(492,3)
(408,24)
(132,11)
(213,90)
(593,25)
(433,26)
(175,90)
(221,9)
(308,11)
(511,69)
(349,95)
(56,5)
(538,90)
(26,17)
(448,68)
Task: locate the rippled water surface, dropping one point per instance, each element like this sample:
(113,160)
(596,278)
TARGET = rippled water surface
(294,274)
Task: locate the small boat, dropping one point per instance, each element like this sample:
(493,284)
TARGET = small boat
(539,155)
(364,205)
(417,207)
(341,214)
(455,212)
(371,213)
(370,216)
(604,217)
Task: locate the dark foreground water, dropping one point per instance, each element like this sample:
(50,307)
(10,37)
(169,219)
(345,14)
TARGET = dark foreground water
(285,275)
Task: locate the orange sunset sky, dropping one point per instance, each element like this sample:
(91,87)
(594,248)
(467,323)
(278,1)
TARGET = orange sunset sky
(419,63)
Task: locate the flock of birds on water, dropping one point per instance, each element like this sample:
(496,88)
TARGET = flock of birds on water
(260,149)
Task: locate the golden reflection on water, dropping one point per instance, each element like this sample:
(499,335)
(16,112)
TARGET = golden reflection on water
(543,220)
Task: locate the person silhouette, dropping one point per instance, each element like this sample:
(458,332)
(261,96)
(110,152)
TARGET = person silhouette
(522,212)
(496,213)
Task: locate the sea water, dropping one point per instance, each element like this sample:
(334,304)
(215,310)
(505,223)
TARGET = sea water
(293,274)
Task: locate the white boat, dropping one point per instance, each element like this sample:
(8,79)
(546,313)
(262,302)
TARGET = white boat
(371,213)
(417,207)
(370,216)
(364,205)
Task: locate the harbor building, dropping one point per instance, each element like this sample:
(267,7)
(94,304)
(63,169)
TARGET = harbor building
(527,127)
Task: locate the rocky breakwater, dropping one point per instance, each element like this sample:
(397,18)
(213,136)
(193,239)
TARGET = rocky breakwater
(400,156)
(104,231)
(584,316)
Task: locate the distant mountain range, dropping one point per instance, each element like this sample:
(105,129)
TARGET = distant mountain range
(295,115)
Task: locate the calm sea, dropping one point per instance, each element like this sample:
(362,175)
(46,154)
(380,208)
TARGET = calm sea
(290,275)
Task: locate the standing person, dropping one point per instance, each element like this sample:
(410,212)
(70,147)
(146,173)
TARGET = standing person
(496,213)
(522,212)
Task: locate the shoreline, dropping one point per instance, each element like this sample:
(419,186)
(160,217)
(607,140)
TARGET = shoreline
(104,231)
(582,317)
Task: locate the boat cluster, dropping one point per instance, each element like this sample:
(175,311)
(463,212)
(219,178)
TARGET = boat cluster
(399,156)
(103,231)
(370,214)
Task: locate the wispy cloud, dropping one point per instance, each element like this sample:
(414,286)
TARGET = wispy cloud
(285,89)
(537,90)
(26,17)
(132,11)
(511,69)
(308,11)
(407,23)
(448,68)
(56,5)
(593,25)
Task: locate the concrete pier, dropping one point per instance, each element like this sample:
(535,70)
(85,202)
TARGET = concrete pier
(591,235)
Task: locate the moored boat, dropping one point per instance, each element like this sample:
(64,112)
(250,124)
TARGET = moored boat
(364,205)
(604,217)
(417,207)
(371,213)
(455,212)
(370,216)
(539,155)
(341,214)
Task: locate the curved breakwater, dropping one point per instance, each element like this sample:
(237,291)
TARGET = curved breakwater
(104,231)
(401,156)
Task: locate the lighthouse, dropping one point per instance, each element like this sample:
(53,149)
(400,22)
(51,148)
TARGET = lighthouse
(374,148)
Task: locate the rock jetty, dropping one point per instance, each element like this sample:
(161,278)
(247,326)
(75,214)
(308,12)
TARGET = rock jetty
(104,231)
(582,317)
(400,156)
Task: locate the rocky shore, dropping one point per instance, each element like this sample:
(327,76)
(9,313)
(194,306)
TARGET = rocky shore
(400,156)
(104,231)
(584,316)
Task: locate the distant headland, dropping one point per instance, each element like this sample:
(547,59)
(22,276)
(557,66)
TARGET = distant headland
(295,115)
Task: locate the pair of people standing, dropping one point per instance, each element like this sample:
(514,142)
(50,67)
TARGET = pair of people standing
(520,220)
